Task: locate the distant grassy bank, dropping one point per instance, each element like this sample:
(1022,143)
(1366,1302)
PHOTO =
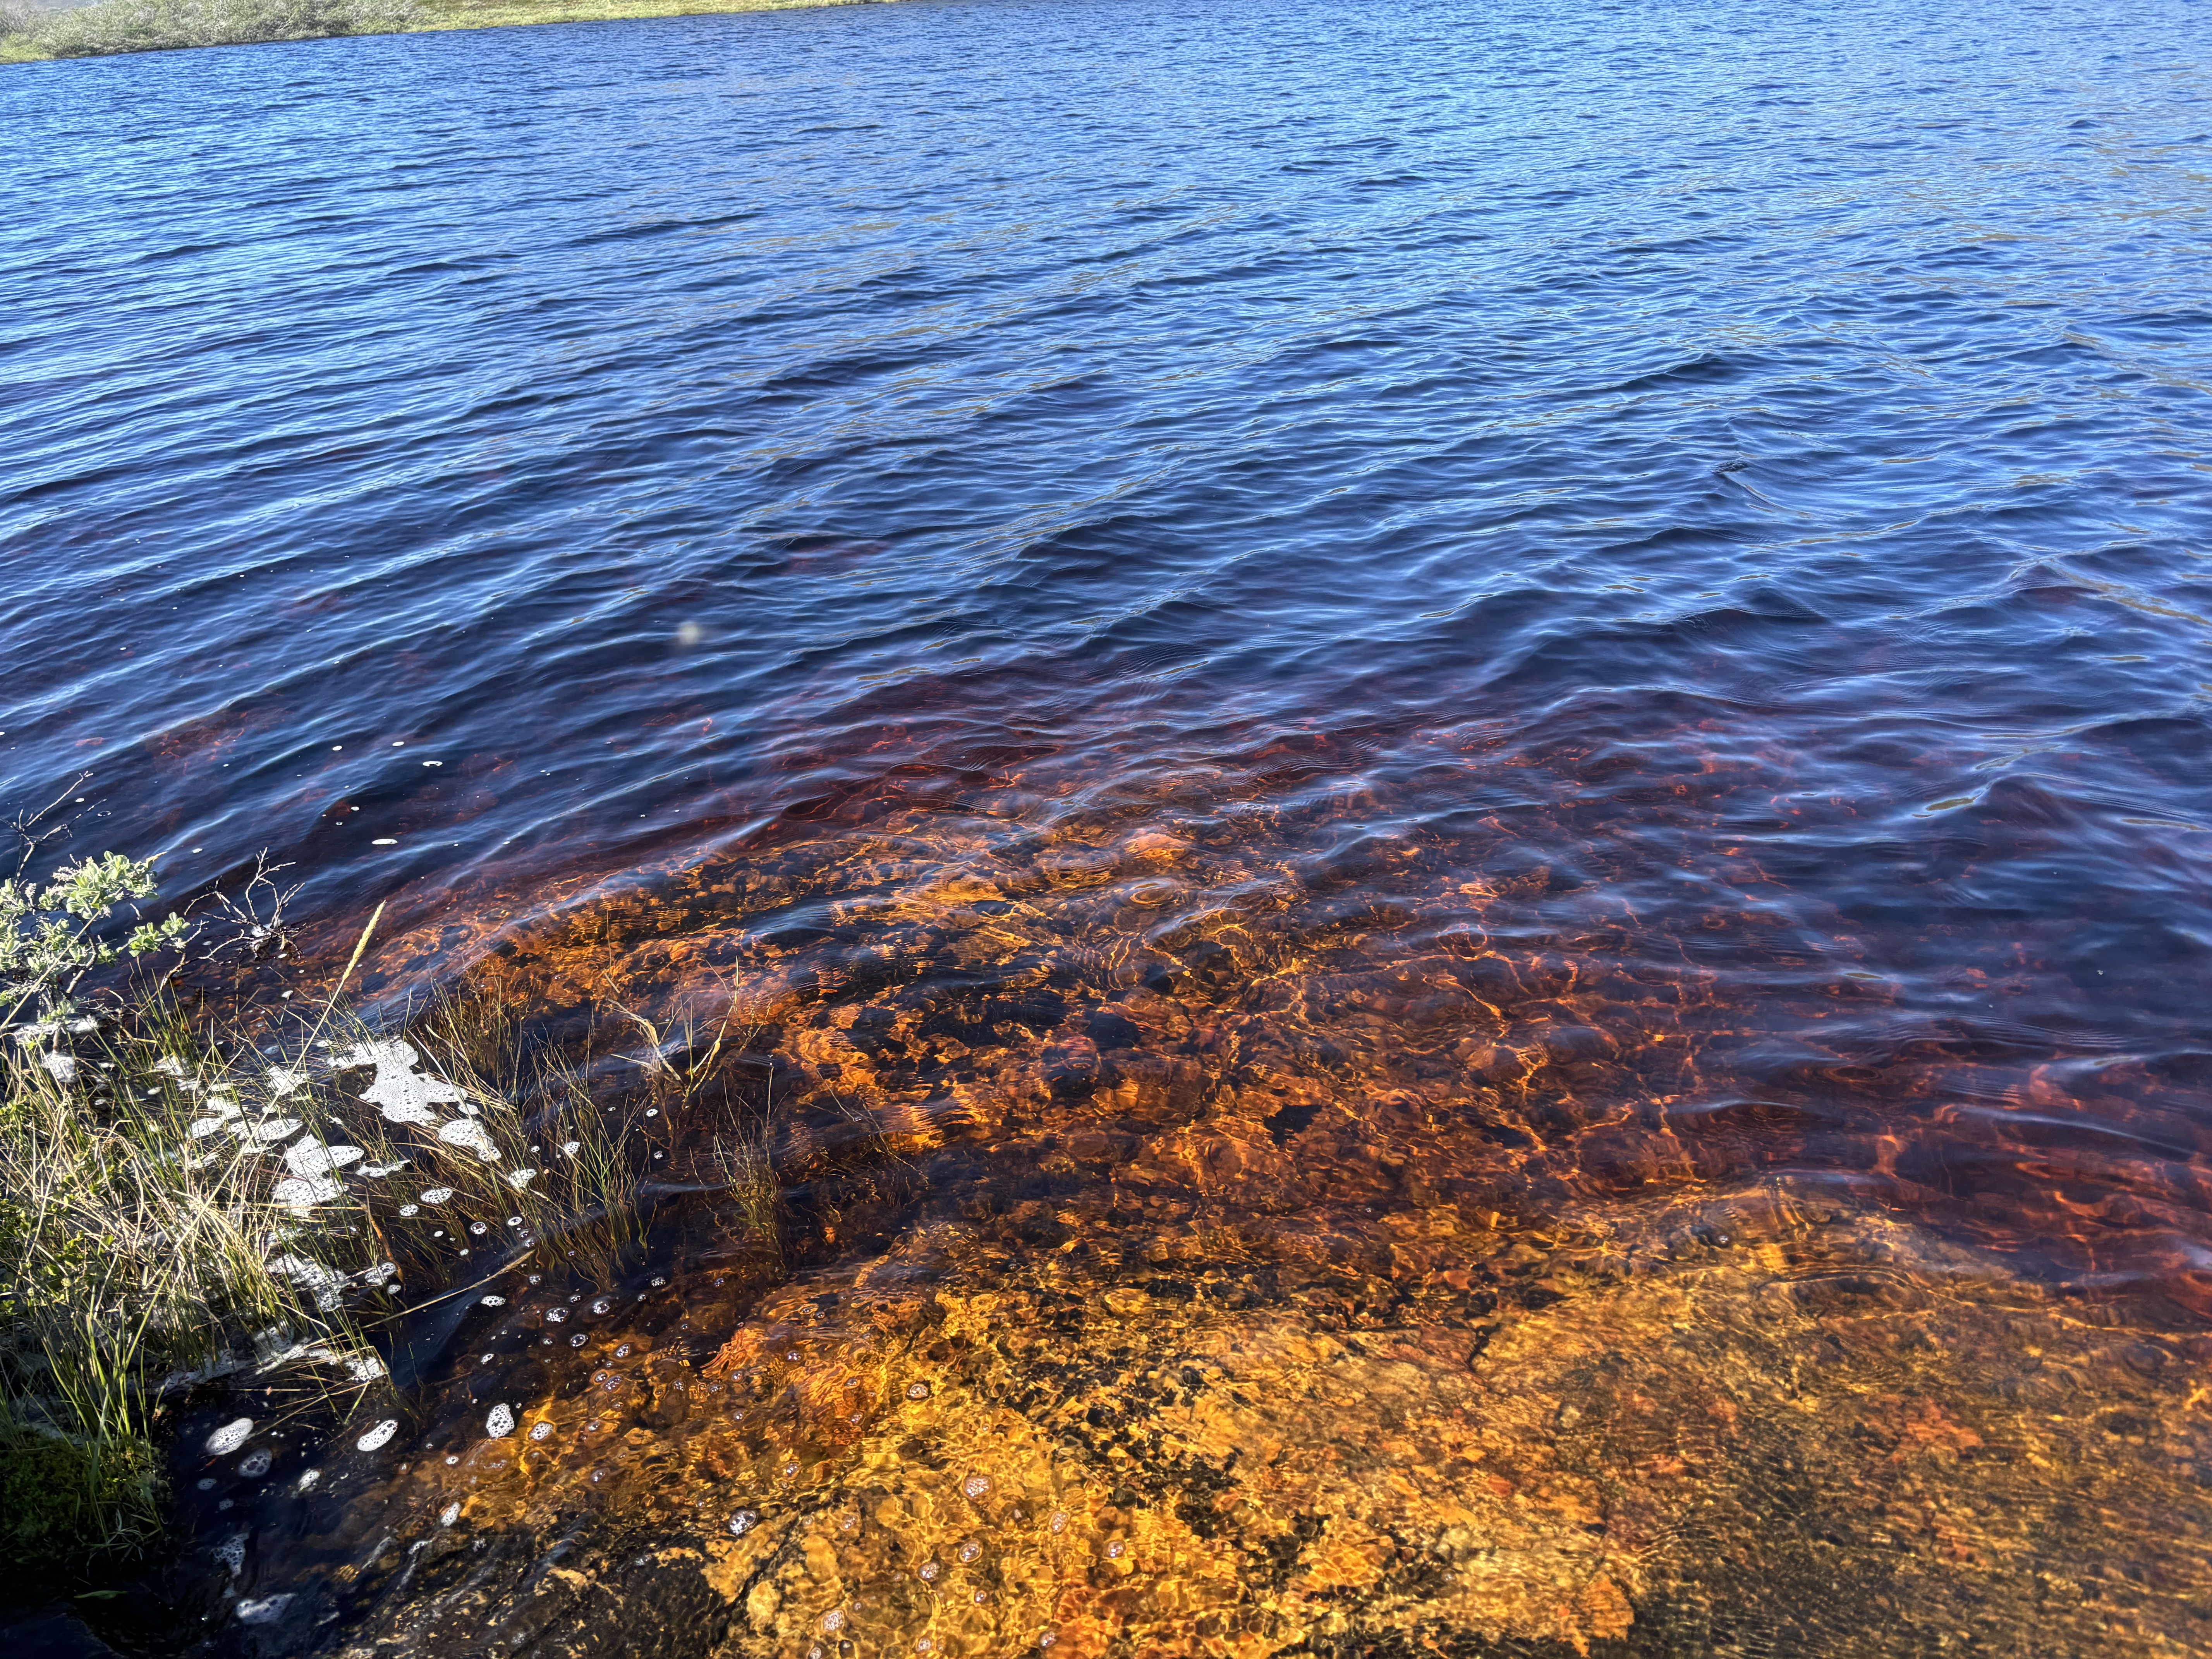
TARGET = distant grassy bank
(110,27)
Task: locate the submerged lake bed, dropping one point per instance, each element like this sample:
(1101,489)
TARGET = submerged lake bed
(1442,771)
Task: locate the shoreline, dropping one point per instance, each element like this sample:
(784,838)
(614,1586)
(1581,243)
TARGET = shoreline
(445,16)
(515,14)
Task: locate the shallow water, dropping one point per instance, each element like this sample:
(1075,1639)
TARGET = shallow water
(1458,757)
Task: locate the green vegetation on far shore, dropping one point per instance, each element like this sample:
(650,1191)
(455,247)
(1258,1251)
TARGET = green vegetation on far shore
(111,27)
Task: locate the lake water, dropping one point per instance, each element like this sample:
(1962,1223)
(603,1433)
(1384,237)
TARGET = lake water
(1482,732)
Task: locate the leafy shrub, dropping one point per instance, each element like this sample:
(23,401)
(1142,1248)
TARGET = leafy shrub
(50,937)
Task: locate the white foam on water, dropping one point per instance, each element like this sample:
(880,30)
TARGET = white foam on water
(399,1091)
(519,1179)
(229,1437)
(376,1053)
(437,1195)
(303,1193)
(380,1436)
(307,1480)
(262,1610)
(501,1423)
(469,1135)
(310,1157)
(322,1282)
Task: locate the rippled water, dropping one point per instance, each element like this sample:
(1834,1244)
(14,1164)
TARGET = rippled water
(1479,732)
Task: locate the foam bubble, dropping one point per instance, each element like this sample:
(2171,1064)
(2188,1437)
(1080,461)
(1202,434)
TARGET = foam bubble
(380,1436)
(501,1423)
(398,1091)
(469,1135)
(310,1157)
(305,1192)
(262,1610)
(230,1437)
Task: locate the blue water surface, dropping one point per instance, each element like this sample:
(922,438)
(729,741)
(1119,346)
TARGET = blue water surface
(500,461)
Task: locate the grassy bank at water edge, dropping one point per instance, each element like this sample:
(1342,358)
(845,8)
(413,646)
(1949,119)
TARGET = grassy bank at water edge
(198,1192)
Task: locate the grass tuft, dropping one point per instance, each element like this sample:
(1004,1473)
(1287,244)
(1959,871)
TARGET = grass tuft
(139,1246)
(180,1200)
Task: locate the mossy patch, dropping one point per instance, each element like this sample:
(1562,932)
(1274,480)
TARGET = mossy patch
(61,1498)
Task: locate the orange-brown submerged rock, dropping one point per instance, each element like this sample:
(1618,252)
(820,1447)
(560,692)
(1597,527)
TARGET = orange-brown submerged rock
(1183,1252)
(1765,1440)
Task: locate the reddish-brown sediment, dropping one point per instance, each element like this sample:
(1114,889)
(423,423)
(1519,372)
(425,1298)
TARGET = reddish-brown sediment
(1302,1257)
